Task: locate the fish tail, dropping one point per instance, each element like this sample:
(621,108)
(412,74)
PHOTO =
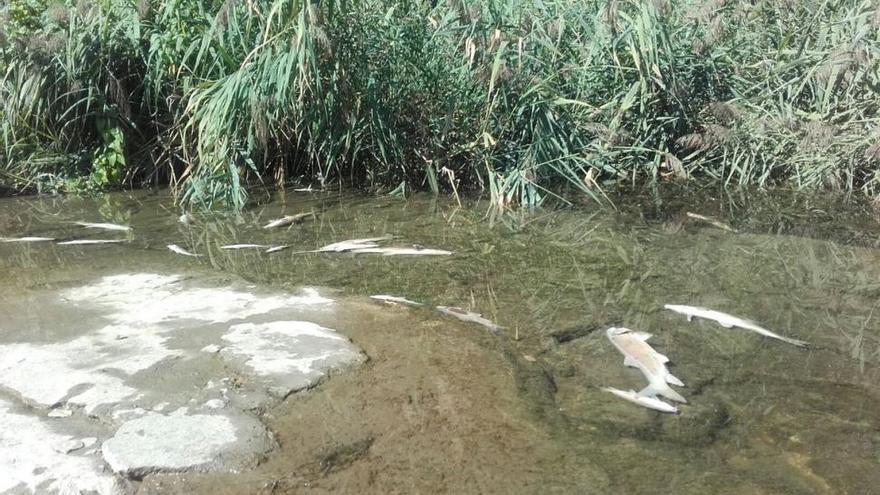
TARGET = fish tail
(670,378)
(663,389)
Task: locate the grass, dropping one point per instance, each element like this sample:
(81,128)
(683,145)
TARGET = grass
(523,99)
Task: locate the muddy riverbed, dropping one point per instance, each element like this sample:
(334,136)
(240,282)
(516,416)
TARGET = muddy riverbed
(429,403)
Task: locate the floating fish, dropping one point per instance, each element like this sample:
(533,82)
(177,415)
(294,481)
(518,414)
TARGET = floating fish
(349,245)
(402,251)
(289,219)
(243,246)
(179,250)
(304,189)
(730,321)
(395,299)
(186,219)
(711,221)
(26,239)
(465,315)
(644,401)
(91,241)
(104,226)
(638,354)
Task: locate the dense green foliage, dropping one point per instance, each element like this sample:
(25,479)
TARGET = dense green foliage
(524,98)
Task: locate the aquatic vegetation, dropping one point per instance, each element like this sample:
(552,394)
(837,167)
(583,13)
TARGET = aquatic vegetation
(525,100)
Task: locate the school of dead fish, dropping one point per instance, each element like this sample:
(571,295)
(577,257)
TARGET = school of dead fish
(632,344)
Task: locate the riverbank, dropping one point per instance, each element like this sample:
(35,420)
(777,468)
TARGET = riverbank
(521,100)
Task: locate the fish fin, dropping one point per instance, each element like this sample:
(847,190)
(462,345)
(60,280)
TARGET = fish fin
(663,359)
(628,361)
(664,390)
(670,378)
(643,336)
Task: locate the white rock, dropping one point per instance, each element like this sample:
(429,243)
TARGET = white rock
(29,464)
(159,443)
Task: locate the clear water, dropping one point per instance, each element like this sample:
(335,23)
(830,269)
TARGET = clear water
(445,406)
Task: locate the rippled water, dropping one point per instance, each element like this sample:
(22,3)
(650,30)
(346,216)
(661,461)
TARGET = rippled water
(445,406)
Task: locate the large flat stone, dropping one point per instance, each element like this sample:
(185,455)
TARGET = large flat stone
(180,442)
(290,355)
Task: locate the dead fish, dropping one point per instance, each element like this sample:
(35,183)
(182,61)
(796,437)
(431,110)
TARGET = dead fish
(289,220)
(91,241)
(394,299)
(402,251)
(711,221)
(730,321)
(104,226)
(638,354)
(349,245)
(26,239)
(179,250)
(304,189)
(243,246)
(644,401)
(186,219)
(465,315)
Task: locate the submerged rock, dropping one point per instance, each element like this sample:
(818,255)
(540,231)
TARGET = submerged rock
(290,355)
(160,443)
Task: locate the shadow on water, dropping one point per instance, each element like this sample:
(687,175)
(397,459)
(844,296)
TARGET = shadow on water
(446,406)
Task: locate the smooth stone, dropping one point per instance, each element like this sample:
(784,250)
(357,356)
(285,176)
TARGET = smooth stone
(204,442)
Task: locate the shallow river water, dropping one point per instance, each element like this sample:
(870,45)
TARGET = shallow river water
(443,405)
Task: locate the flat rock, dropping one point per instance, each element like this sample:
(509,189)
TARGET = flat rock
(30,464)
(201,442)
(290,355)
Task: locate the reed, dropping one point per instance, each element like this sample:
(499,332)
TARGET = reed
(525,100)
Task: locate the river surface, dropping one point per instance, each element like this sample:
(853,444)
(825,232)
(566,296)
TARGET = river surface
(444,405)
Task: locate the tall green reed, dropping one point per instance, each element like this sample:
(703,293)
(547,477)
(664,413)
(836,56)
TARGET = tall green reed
(524,99)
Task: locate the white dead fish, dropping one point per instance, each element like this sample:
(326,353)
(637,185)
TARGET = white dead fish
(394,299)
(349,245)
(104,226)
(243,246)
(78,242)
(304,189)
(402,251)
(465,315)
(644,401)
(710,221)
(288,220)
(26,239)
(186,219)
(730,321)
(638,354)
(179,250)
